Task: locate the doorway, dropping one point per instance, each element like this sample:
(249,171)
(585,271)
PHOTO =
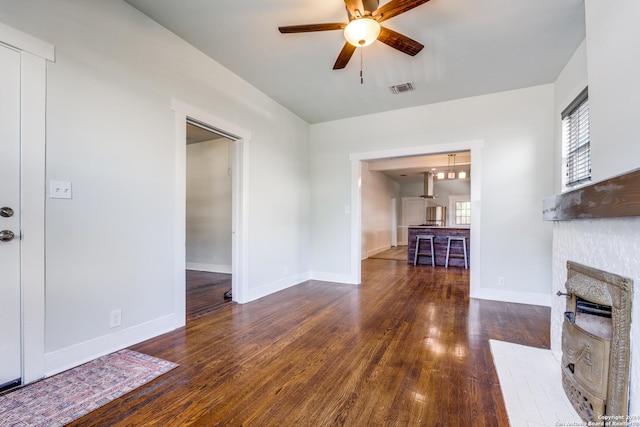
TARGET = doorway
(239,154)
(474,147)
(208,219)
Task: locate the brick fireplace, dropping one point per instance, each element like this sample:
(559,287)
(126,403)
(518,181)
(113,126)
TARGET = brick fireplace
(599,226)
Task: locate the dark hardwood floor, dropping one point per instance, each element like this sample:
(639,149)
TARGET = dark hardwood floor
(407,347)
(205,292)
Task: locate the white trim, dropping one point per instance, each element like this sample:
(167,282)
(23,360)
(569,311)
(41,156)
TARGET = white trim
(276,286)
(332,277)
(33,87)
(240,220)
(515,296)
(180,252)
(356,222)
(33,163)
(394,222)
(376,251)
(476,218)
(240,191)
(26,43)
(475,146)
(77,354)
(211,268)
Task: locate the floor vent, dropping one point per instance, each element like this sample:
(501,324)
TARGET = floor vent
(402,88)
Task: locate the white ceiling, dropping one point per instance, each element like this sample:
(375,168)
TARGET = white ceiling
(472,47)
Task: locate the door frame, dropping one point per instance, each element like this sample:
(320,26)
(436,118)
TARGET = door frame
(34,54)
(239,196)
(474,146)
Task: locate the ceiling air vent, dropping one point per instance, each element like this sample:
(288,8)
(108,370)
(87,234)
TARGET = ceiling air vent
(402,88)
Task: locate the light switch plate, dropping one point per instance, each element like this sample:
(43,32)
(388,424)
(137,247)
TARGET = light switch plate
(60,190)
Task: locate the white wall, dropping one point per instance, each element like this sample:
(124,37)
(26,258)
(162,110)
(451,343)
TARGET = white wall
(442,188)
(610,60)
(208,209)
(517,128)
(110,131)
(377,192)
(613,60)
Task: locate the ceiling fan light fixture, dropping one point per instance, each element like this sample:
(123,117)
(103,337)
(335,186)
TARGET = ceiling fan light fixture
(362,32)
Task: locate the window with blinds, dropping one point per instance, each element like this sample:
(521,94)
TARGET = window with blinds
(576,141)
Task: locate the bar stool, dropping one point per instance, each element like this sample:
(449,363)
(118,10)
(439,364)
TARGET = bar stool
(458,255)
(428,237)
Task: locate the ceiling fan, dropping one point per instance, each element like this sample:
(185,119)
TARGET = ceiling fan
(364,27)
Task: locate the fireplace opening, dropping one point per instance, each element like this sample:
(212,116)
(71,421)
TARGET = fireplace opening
(588,307)
(596,342)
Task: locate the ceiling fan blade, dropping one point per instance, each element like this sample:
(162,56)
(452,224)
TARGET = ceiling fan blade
(399,41)
(394,8)
(353,6)
(308,28)
(345,56)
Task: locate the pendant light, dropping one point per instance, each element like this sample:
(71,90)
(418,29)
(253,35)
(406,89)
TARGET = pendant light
(452,174)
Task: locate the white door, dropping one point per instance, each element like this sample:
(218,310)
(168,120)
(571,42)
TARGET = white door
(10,335)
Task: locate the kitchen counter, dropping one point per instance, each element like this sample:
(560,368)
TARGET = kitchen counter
(434,226)
(439,243)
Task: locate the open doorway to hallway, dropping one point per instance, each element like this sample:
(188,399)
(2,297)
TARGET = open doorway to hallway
(208,224)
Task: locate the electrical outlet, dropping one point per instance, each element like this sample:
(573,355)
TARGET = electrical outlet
(502,282)
(115,318)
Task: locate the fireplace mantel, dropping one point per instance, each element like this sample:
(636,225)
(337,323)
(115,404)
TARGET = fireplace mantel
(612,198)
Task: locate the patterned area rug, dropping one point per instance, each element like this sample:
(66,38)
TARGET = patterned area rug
(62,398)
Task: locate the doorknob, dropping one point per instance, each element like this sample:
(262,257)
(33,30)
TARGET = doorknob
(6,212)
(6,236)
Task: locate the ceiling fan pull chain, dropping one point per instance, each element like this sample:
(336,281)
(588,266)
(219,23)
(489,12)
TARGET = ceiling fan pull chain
(361,78)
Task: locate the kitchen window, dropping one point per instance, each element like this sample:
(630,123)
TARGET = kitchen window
(463,213)
(460,208)
(576,141)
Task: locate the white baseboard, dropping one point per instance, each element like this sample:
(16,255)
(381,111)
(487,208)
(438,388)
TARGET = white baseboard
(75,355)
(211,268)
(333,277)
(376,251)
(294,280)
(278,285)
(513,296)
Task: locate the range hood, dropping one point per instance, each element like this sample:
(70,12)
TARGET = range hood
(428,186)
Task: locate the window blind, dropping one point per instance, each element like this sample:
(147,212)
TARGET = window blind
(577,141)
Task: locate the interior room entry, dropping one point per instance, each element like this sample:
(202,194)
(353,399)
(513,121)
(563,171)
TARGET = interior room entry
(209,210)
(10,326)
